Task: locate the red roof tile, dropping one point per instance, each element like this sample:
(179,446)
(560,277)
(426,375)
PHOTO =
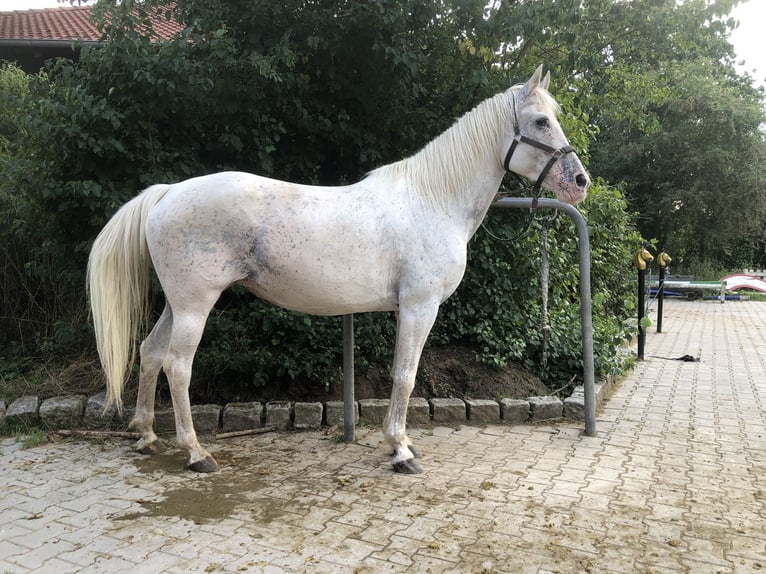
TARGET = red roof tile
(68,23)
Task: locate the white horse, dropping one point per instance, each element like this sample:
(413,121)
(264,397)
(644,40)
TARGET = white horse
(395,241)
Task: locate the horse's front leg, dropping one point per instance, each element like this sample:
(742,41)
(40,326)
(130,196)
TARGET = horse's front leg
(413,326)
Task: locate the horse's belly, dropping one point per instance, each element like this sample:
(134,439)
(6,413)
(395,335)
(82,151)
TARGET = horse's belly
(323,292)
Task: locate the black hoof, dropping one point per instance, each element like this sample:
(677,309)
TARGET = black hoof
(207,464)
(409,466)
(155,447)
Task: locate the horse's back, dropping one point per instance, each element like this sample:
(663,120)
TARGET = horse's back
(313,249)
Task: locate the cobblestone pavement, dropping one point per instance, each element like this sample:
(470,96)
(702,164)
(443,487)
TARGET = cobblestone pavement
(675,481)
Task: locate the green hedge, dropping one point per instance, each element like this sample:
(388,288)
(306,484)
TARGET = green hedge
(81,139)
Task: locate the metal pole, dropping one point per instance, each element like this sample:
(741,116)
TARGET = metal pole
(662,261)
(349,405)
(641,330)
(640,260)
(586,310)
(660,299)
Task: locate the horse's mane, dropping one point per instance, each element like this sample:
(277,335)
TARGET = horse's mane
(440,170)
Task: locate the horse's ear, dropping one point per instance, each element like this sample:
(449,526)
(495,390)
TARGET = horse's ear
(534,81)
(546,81)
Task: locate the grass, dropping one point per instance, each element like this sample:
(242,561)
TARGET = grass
(29,437)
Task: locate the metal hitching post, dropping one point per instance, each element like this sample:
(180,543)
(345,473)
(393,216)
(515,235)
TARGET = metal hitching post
(639,260)
(662,261)
(586,310)
(349,405)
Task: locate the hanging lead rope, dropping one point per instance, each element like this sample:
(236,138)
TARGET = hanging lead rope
(544,272)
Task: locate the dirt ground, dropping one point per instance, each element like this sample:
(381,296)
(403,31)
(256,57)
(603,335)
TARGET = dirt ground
(444,372)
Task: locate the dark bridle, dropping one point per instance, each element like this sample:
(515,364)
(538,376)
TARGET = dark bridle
(556,154)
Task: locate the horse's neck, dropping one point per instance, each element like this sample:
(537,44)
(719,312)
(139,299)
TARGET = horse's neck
(477,199)
(465,204)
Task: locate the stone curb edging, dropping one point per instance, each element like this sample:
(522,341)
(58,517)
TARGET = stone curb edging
(79,411)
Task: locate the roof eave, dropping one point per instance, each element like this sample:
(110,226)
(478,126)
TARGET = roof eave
(26,43)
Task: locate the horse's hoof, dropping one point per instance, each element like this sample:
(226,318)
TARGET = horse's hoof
(154,447)
(409,466)
(207,464)
(415,452)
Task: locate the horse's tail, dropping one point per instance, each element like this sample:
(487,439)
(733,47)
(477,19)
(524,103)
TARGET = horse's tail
(118,284)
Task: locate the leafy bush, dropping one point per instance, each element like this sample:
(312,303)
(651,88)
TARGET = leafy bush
(498,307)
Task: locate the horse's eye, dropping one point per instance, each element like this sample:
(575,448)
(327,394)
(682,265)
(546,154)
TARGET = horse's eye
(542,122)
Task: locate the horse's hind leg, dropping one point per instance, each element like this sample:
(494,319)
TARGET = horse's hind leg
(152,352)
(186,332)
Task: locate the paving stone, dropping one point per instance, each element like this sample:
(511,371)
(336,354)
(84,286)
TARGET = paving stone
(24,411)
(242,416)
(448,411)
(418,412)
(63,412)
(373,411)
(545,408)
(483,411)
(333,413)
(206,418)
(97,415)
(278,414)
(514,411)
(574,407)
(308,416)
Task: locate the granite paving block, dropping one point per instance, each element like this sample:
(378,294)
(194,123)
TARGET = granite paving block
(242,416)
(307,415)
(418,412)
(24,411)
(448,411)
(483,411)
(206,418)
(333,413)
(514,411)
(97,415)
(545,408)
(63,412)
(373,411)
(278,414)
(574,407)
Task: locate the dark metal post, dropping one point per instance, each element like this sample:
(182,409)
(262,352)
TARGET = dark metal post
(349,405)
(662,261)
(641,306)
(660,298)
(640,260)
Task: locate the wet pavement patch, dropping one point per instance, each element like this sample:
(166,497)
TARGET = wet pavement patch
(202,498)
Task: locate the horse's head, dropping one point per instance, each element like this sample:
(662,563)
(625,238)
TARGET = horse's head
(536,146)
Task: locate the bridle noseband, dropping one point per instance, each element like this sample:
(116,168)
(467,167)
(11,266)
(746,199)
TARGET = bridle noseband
(556,154)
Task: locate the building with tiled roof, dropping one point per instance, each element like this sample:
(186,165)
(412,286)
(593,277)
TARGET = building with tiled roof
(30,37)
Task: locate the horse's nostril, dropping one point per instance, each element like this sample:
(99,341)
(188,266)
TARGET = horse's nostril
(581,180)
